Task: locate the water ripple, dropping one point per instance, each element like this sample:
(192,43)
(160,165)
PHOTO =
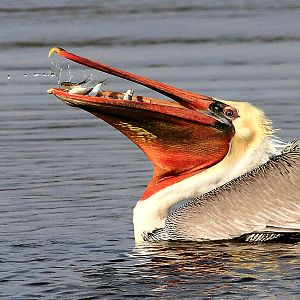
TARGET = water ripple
(68,182)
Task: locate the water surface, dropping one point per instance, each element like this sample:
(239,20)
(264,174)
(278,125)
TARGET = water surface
(68,182)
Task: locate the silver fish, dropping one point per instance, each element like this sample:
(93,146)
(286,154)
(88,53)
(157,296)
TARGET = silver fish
(128,94)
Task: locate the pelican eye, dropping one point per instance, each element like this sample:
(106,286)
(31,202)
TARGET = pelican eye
(230,112)
(224,110)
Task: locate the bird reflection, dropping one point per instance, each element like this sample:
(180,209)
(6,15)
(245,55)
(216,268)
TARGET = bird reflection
(197,269)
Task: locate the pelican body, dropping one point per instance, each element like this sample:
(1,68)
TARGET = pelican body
(220,158)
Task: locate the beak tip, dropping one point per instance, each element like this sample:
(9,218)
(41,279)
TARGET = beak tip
(55,50)
(50,91)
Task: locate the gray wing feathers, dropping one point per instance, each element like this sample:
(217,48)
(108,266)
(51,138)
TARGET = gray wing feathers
(266,200)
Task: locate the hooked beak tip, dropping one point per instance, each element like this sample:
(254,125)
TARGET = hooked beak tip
(50,91)
(55,50)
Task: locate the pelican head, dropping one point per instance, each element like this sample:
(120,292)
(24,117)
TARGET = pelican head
(195,142)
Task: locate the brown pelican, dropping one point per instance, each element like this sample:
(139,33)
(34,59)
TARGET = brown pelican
(219,157)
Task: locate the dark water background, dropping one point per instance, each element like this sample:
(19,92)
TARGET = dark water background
(68,182)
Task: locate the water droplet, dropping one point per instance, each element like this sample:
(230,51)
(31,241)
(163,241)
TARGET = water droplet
(8,76)
(25,74)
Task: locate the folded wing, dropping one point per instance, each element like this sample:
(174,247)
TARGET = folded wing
(261,205)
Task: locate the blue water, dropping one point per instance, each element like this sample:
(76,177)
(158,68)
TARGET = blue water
(68,182)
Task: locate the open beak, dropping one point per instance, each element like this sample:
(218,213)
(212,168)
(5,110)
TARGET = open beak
(180,138)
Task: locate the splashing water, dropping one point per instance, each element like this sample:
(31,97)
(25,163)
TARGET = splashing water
(61,68)
(35,74)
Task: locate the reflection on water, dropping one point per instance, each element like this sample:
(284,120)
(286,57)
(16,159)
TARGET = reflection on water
(69,182)
(194,270)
